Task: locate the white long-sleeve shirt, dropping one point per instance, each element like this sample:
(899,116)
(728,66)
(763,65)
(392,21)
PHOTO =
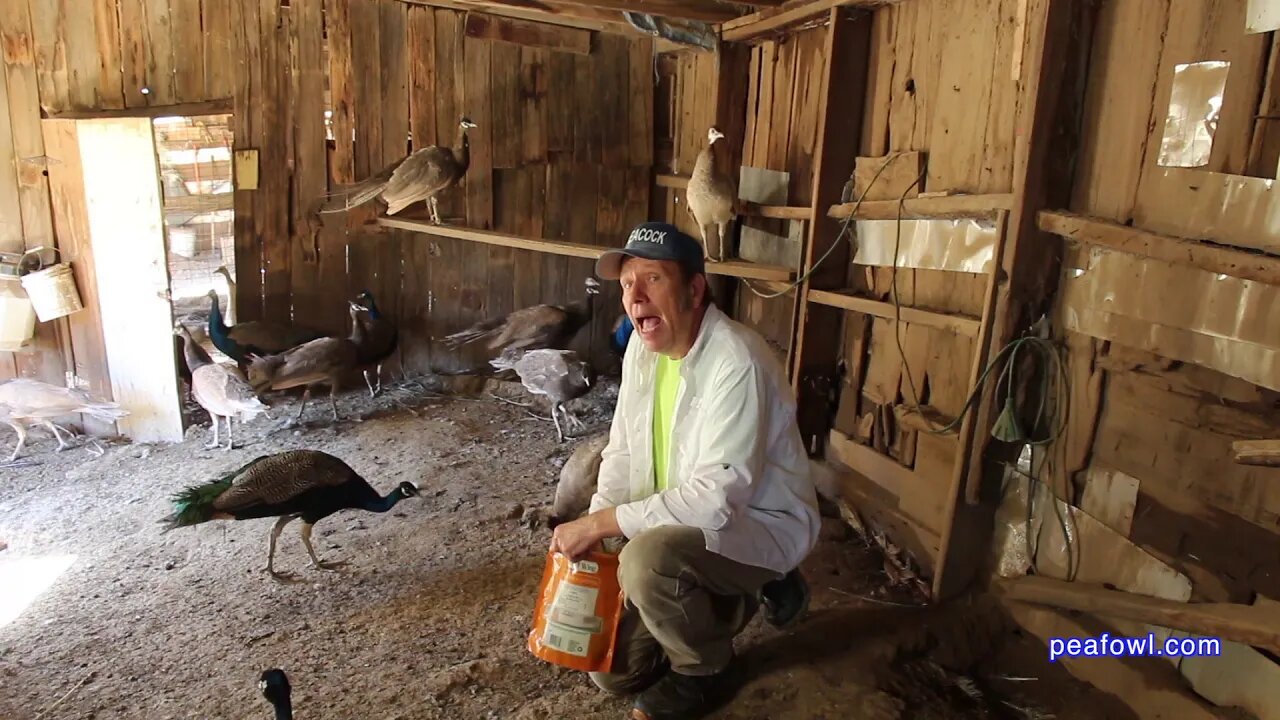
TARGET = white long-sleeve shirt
(737,468)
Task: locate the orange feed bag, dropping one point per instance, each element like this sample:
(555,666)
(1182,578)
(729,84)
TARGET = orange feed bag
(575,619)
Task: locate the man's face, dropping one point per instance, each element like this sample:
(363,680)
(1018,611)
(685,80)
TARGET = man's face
(660,303)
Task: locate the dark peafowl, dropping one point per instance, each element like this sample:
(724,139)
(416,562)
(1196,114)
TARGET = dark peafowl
(258,337)
(622,329)
(274,686)
(307,484)
(377,339)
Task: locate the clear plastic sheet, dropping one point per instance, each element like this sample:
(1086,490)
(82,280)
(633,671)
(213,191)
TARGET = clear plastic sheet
(964,245)
(1192,117)
(1217,321)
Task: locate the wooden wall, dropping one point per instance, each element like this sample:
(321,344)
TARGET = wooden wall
(1151,413)
(563,149)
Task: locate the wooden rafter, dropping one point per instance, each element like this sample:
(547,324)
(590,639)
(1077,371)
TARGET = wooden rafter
(771,21)
(706,10)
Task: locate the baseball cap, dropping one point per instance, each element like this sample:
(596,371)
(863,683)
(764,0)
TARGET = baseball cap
(653,241)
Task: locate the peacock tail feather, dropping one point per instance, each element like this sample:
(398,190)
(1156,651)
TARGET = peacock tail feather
(194,503)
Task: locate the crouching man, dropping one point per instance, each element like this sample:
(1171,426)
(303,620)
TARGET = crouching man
(706,477)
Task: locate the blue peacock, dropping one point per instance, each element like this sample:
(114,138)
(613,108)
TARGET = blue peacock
(306,484)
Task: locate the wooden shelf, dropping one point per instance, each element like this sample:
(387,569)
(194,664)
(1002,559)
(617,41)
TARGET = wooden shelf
(671,182)
(1180,251)
(777,212)
(959,324)
(731,268)
(928,208)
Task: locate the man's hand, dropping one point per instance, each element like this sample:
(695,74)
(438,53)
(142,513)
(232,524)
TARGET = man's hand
(575,539)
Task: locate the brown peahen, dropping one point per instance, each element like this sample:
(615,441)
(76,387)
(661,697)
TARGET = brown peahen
(422,175)
(578,480)
(220,389)
(306,484)
(319,362)
(532,328)
(25,402)
(712,197)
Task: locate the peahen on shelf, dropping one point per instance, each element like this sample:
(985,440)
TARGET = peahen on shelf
(376,340)
(306,484)
(422,175)
(220,389)
(712,198)
(532,328)
(257,337)
(560,375)
(274,686)
(25,402)
(319,362)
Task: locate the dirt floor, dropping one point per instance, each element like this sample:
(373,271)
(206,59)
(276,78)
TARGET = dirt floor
(430,618)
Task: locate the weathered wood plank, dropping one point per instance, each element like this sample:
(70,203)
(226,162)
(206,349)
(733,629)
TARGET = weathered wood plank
(50,53)
(814,347)
(1257,625)
(640,101)
(534,64)
(504,103)
(189,49)
(158,43)
(133,52)
(219,63)
(612,59)
(246,125)
(271,218)
(588,116)
(561,73)
(314,303)
(341,90)
(366,76)
(106,22)
(530,34)
(449,99)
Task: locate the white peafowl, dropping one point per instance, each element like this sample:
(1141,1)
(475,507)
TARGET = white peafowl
(220,389)
(560,375)
(25,402)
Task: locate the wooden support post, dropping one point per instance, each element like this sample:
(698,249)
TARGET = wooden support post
(816,343)
(1257,452)
(1047,121)
(733,64)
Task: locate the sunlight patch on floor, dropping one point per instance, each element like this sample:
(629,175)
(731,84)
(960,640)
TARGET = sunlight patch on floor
(25,579)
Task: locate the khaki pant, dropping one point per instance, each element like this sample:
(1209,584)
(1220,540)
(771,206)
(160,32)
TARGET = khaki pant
(684,606)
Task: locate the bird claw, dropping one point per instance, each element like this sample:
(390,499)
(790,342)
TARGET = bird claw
(332,565)
(284,577)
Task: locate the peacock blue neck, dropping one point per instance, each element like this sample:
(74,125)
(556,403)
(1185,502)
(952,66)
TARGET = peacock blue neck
(373,309)
(384,503)
(217,328)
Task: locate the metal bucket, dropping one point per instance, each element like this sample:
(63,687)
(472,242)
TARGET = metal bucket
(52,290)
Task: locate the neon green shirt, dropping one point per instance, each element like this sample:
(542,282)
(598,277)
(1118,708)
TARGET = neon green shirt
(666,387)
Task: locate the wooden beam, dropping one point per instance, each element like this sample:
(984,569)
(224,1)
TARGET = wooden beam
(815,346)
(778,212)
(1256,625)
(880,469)
(773,21)
(528,33)
(1176,250)
(207,107)
(1257,452)
(706,10)
(564,16)
(671,182)
(926,208)
(959,324)
(734,268)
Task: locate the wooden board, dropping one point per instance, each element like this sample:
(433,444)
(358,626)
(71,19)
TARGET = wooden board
(532,89)
(314,303)
(271,217)
(219,61)
(246,132)
(118,159)
(188,47)
(533,34)
(158,43)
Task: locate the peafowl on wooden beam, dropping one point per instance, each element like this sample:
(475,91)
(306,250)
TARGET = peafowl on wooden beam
(423,175)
